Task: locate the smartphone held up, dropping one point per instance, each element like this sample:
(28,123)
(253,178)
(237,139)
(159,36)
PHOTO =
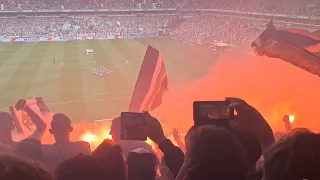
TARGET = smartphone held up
(218,113)
(132,126)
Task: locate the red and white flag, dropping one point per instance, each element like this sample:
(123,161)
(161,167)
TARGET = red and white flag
(151,83)
(23,123)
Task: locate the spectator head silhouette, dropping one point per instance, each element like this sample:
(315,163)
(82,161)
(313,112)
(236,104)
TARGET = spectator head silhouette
(61,127)
(251,146)
(82,167)
(13,167)
(112,159)
(141,165)
(105,149)
(4,148)
(299,130)
(29,148)
(115,129)
(214,153)
(279,135)
(6,125)
(294,157)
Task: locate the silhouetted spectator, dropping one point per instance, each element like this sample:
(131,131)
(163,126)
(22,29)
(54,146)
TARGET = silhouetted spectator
(5,148)
(213,153)
(252,150)
(30,148)
(82,167)
(294,157)
(6,129)
(142,165)
(110,155)
(15,168)
(63,148)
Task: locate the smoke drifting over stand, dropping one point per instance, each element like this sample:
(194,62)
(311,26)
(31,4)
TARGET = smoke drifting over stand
(273,86)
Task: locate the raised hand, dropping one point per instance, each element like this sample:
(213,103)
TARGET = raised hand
(285,118)
(251,121)
(153,128)
(21,104)
(175,134)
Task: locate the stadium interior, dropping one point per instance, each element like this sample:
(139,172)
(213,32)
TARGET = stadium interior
(84,59)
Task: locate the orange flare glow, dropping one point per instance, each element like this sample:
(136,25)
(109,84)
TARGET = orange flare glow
(291,118)
(88,137)
(96,135)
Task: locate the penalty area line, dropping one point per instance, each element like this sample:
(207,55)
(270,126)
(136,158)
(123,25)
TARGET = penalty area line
(83,101)
(126,61)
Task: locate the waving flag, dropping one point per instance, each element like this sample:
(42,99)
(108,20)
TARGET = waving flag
(296,46)
(23,123)
(313,35)
(151,83)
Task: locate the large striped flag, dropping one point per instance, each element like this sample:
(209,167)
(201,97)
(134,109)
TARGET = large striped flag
(151,83)
(296,46)
(23,123)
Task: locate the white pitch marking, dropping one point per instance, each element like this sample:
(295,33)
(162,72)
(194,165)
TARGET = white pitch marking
(78,99)
(34,45)
(117,65)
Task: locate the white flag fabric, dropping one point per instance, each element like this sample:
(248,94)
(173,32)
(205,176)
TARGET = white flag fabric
(151,83)
(23,123)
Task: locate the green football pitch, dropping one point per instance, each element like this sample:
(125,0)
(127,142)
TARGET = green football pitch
(69,86)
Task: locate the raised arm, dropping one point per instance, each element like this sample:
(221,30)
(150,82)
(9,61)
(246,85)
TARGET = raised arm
(176,137)
(252,122)
(40,124)
(173,155)
(287,125)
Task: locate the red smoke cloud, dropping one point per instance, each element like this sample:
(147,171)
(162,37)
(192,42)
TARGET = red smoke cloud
(273,86)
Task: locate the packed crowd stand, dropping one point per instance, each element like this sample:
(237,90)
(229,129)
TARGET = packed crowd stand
(207,30)
(85,4)
(292,7)
(246,149)
(91,25)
